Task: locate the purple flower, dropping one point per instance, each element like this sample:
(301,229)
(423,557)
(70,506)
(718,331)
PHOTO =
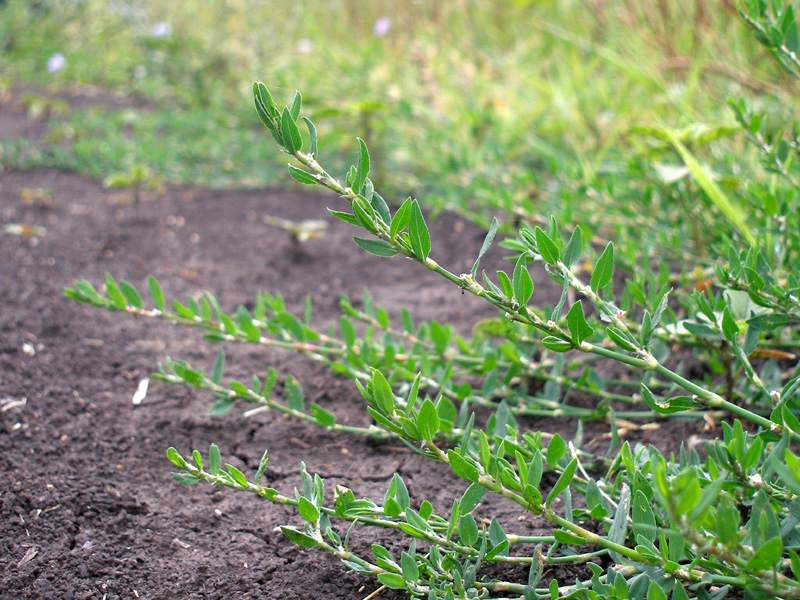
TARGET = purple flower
(161,29)
(56,62)
(382,26)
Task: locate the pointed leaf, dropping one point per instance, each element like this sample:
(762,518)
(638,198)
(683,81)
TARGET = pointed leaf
(487,241)
(418,233)
(376,247)
(603,270)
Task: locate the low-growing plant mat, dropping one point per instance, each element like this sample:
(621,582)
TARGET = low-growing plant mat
(88,508)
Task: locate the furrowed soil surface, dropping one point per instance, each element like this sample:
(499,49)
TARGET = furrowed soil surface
(88,508)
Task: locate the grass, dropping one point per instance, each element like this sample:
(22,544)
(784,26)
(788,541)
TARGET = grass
(540,100)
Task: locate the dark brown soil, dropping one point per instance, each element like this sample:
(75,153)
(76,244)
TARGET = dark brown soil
(88,509)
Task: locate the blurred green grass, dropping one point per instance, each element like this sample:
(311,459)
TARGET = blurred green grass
(522,107)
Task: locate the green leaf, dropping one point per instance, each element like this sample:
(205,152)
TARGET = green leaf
(467,530)
(114,294)
(576,322)
(156,293)
(265,106)
(379,204)
(219,365)
(547,247)
(567,538)
(644,521)
(362,170)
(214,459)
(294,394)
(323,417)
(563,482)
(298,537)
(382,393)
(401,218)
(297,102)
(302,176)
(185,478)
(620,339)
(729,328)
(654,592)
(505,284)
(376,247)
(237,475)
(307,510)
(708,497)
(409,567)
(175,458)
(131,294)
(767,556)
(574,248)
(556,344)
(521,281)
(555,450)
(312,133)
(289,133)
(418,233)
(462,467)
(393,581)
(770,321)
(428,420)
(604,269)
(471,498)
(346,217)
(487,241)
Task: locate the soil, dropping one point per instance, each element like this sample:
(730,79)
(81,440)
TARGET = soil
(88,508)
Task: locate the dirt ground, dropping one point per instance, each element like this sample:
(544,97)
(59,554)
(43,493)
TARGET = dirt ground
(88,509)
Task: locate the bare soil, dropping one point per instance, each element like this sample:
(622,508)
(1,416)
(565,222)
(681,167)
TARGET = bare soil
(88,509)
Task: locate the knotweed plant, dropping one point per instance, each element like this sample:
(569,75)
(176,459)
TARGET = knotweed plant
(713,524)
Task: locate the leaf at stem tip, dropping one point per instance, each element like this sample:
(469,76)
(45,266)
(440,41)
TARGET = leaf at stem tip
(418,232)
(547,247)
(574,248)
(362,169)
(428,420)
(297,102)
(290,135)
(487,241)
(401,217)
(604,269)
(312,134)
(382,394)
(521,280)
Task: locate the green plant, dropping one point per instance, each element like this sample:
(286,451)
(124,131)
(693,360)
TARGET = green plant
(137,178)
(644,525)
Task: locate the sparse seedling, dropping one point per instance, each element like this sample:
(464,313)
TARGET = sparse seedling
(138,179)
(300,232)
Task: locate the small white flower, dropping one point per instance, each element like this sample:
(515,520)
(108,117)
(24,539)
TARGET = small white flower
(139,72)
(621,314)
(305,46)
(161,29)
(56,62)
(382,26)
